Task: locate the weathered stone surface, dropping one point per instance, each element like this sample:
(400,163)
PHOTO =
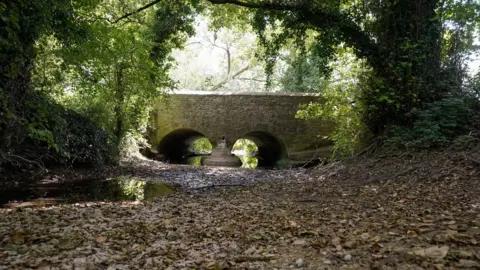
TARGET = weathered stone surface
(268,119)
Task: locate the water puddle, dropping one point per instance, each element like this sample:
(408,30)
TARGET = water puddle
(196,161)
(131,189)
(250,162)
(118,189)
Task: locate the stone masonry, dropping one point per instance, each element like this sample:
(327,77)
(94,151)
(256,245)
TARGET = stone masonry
(241,115)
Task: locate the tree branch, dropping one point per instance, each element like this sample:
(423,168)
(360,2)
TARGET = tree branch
(267,5)
(193,43)
(238,73)
(352,34)
(137,11)
(253,79)
(270,6)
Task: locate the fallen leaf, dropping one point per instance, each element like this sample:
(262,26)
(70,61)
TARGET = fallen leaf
(292,224)
(434,252)
(299,242)
(100,239)
(18,237)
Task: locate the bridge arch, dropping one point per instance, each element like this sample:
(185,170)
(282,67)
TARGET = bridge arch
(175,145)
(270,148)
(217,114)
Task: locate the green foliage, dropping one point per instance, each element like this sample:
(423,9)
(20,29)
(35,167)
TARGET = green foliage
(110,71)
(438,125)
(248,162)
(306,72)
(126,188)
(465,142)
(33,129)
(246,151)
(228,16)
(245,145)
(117,71)
(172,26)
(131,189)
(409,60)
(131,144)
(475,85)
(73,137)
(61,136)
(338,105)
(201,146)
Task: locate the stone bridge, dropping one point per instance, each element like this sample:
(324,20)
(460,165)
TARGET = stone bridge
(268,119)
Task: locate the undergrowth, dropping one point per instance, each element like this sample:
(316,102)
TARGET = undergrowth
(42,133)
(450,121)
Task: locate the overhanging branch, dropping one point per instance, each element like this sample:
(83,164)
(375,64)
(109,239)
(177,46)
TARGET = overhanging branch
(151,4)
(228,78)
(351,32)
(269,6)
(261,5)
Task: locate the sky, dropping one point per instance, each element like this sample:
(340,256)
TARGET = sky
(204,59)
(474,64)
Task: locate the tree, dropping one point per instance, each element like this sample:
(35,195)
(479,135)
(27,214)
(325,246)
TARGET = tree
(415,94)
(116,72)
(108,71)
(340,106)
(219,59)
(306,70)
(33,129)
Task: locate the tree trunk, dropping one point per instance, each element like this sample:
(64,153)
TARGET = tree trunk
(407,63)
(119,101)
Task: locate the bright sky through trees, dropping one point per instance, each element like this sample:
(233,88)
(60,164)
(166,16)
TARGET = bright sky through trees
(203,64)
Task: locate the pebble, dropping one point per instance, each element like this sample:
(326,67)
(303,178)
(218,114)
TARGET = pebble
(464,254)
(468,264)
(327,262)
(350,244)
(80,263)
(299,263)
(300,242)
(172,236)
(196,177)
(347,257)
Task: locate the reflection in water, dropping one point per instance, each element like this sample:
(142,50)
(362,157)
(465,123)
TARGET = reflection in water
(246,150)
(125,189)
(248,161)
(195,161)
(119,189)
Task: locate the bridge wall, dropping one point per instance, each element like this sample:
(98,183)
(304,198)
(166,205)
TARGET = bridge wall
(235,114)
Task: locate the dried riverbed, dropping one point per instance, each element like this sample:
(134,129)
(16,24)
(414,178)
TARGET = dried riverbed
(419,212)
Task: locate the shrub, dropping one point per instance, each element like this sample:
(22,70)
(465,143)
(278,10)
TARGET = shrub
(44,132)
(340,105)
(438,125)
